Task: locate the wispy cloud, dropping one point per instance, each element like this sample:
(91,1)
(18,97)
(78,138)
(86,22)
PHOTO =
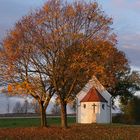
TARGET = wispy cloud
(130,44)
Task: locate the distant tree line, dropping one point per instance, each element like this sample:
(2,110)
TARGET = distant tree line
(26,107)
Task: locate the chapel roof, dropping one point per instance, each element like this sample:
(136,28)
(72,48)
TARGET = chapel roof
(93,96)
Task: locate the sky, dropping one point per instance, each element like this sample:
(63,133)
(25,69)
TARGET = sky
(126,18)
(125,14)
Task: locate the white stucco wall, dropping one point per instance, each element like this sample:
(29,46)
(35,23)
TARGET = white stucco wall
(87,114)
(103,116)
(79,97)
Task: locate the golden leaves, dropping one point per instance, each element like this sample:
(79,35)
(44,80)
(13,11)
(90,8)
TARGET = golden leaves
(46,8)
(20,88)
(16,34)
(28,87)
(10,88)
(70,12)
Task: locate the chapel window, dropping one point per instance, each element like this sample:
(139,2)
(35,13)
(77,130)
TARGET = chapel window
(84,106)
(103,106)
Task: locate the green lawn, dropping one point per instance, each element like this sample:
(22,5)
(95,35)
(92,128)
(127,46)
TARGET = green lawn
(30,122)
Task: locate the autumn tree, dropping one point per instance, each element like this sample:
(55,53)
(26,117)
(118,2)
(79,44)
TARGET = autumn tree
(19,69)
(57,49)
(2,82)
(77,42)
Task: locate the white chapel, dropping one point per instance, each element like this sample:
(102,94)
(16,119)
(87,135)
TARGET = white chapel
(93,103)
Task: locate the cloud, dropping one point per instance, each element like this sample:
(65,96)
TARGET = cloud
(130,37)
(131,47)
(132,52)
(133,57)
(129,42)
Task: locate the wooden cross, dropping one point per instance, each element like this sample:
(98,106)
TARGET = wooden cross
(94,107)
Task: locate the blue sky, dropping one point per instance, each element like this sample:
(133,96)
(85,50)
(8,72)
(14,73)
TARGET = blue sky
(125,14)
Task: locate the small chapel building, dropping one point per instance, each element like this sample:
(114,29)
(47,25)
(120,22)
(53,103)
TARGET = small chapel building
(93,103)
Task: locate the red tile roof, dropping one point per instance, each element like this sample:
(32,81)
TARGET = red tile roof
(93,96)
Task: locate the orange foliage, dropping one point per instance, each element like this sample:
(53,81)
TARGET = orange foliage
(20,88)
(10,88)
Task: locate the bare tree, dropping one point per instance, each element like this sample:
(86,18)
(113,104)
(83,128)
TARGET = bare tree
(20,70)
(35,107)
(8,104)
(17,108)
(25,106)
(56,108)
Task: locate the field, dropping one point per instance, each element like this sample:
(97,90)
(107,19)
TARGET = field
(30,122)
(28,129)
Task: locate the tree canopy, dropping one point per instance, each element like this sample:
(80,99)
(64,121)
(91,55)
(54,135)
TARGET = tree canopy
(58,48)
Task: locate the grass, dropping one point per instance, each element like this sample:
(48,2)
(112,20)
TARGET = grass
(30,122)
(29,128)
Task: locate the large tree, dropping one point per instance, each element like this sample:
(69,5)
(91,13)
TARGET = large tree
(58,48)
(19,69)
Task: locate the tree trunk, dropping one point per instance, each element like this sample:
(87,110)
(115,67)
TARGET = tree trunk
(63,114)
(43,115)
